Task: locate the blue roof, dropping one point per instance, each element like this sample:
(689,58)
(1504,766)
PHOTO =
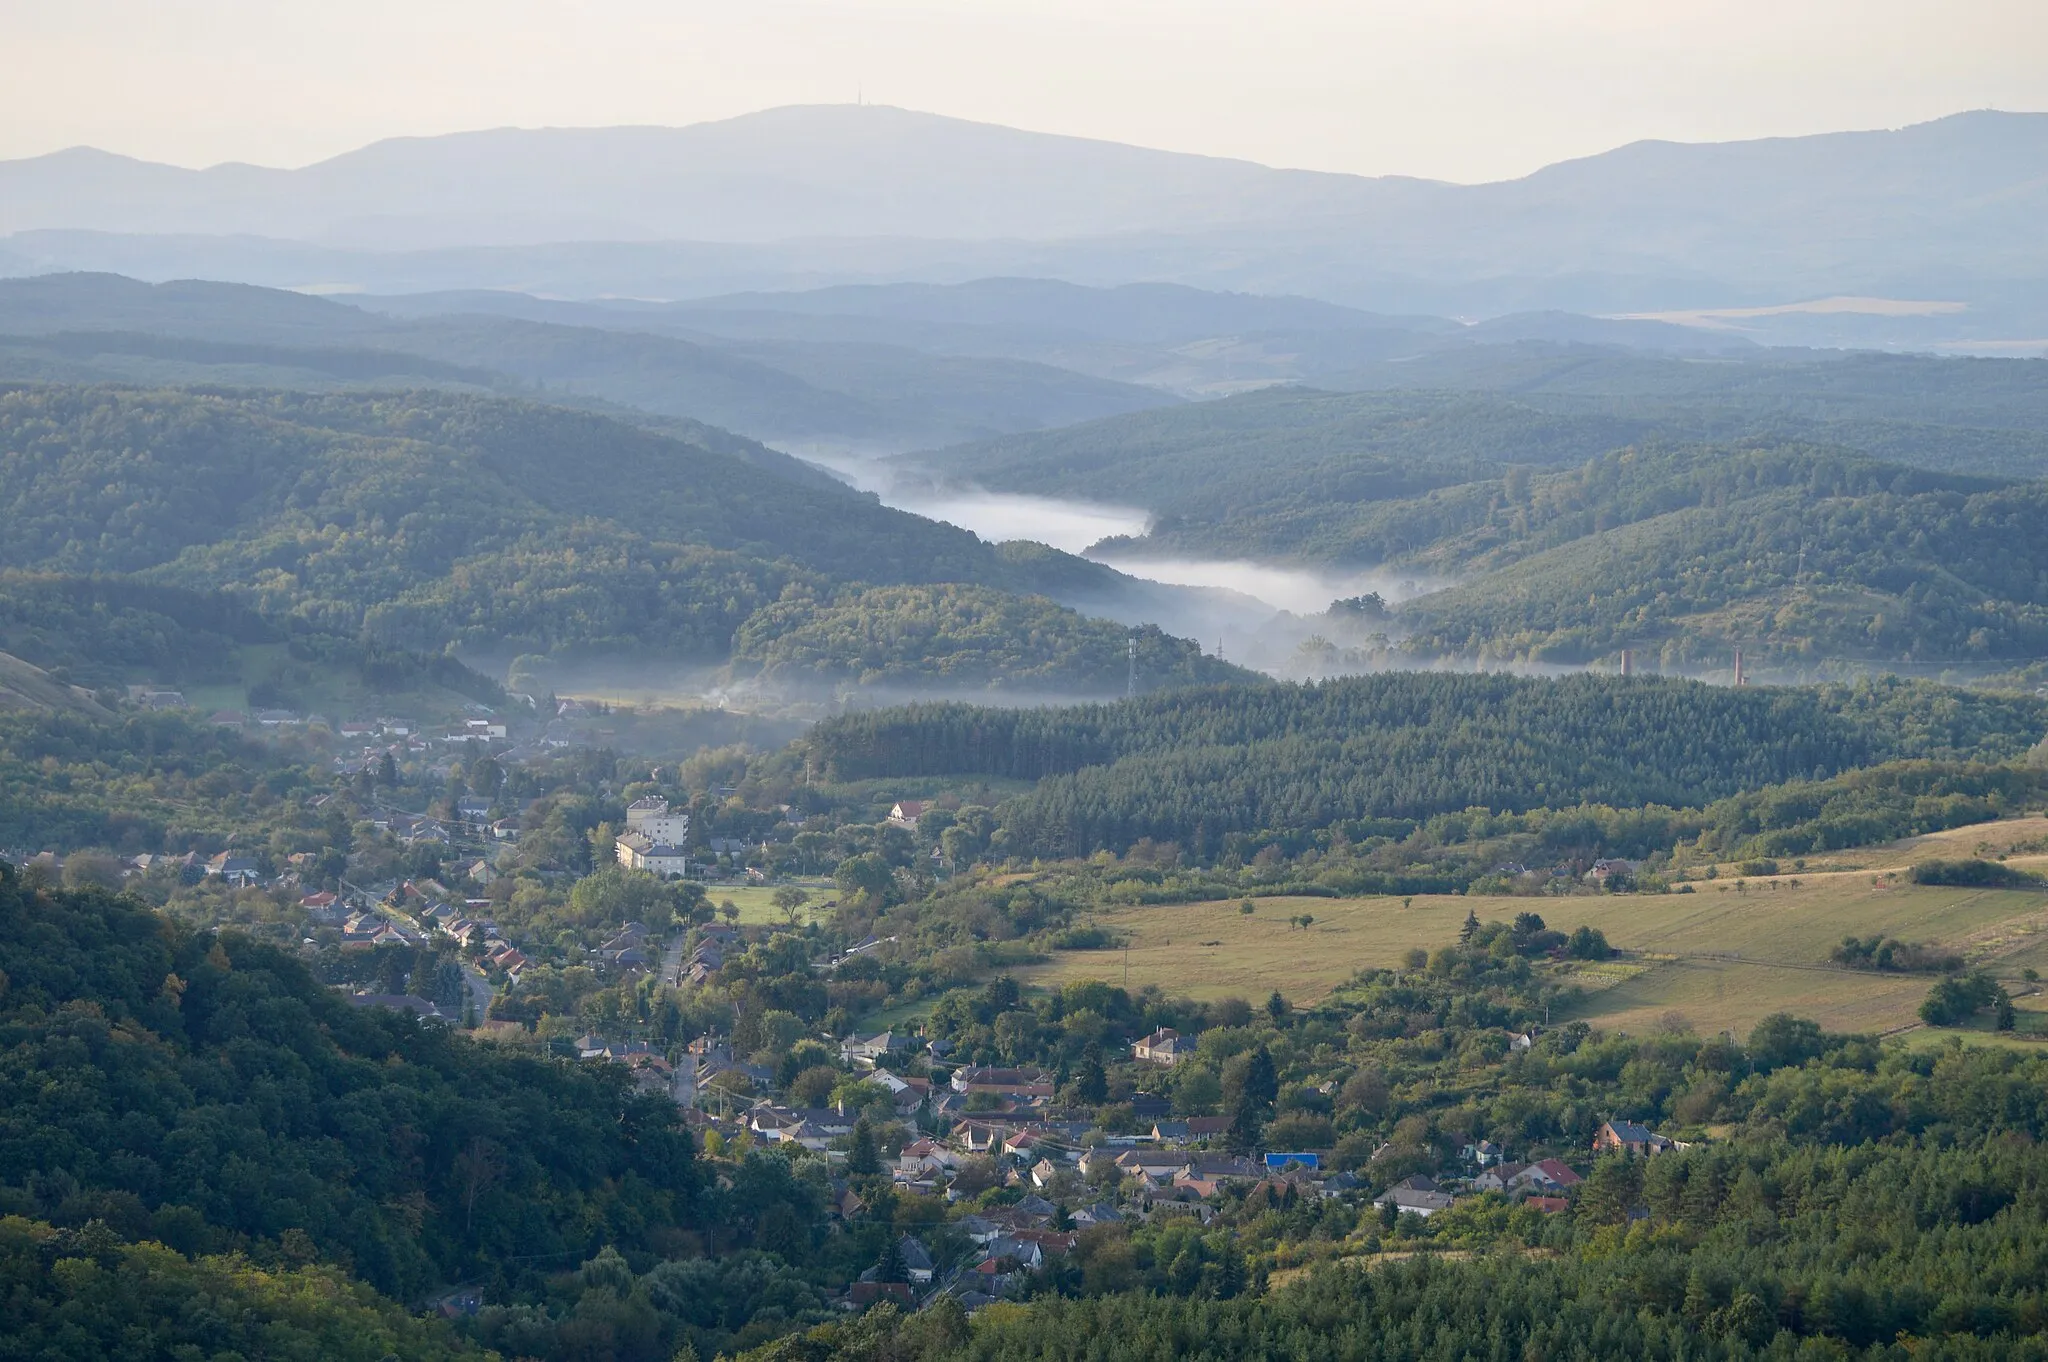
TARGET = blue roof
(1305,1160)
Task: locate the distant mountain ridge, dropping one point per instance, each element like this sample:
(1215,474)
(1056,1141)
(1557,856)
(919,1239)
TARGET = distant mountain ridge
(799,197)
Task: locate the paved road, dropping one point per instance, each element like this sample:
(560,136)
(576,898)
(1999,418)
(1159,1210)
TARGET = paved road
(480,990)
(672,961)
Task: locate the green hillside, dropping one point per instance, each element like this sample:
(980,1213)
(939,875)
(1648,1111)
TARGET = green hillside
(1794,556)
(1571,535)
(968,637)
(431,520)
(1199,768)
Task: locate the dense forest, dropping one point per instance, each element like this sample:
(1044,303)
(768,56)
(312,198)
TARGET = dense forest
(1196,767)
(427,521)
(218,1099)
(961,636)
(1541,406)
(1811,511)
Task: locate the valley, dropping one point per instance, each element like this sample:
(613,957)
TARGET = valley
(845,735)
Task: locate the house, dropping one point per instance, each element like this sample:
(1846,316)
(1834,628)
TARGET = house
(1608,869)
(1499,1177)
(861,1295)
(228,718)
(480,872)
(1151,1165)
(904,813)
(1101,1213)
(1484,1153)
(1188,1131)
(1161,1047)
(1223,1168)
(917,1259)
(1549,1205)
(863,1051)
(1411,1200)
(981,1137)
(239,871)
(907,1093)
(1549,1175)
(1626,1137)
(974,1078)
(1276,1163)
(508,959)
(278,718)
(1337,1184)
(1043,1173)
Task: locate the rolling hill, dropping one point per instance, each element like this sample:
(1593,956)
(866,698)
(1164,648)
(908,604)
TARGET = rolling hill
(430,520)
(82,328)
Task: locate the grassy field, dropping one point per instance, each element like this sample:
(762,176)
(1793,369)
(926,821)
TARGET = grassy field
(756,902)
(1719,958)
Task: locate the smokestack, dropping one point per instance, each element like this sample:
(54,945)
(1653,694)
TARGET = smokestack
(1628,662)
(1739,680)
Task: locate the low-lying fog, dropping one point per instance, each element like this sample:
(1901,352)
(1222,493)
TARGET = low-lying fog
(1072,526)
(1302,591)
(1255,613)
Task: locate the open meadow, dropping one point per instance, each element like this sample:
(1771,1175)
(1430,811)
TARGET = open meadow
(756,902)
(1720,957)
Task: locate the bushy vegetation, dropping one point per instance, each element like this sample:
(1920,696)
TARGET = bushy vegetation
(1972,873)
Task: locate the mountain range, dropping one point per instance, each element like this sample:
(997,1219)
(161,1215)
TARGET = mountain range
(1945,212)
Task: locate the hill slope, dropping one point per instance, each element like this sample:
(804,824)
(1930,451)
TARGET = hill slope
(1202,767)
(428,520)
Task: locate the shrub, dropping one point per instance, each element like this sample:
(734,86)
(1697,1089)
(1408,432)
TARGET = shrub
(1974,874)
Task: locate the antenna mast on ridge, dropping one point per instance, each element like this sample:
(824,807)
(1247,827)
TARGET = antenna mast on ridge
(1131,685)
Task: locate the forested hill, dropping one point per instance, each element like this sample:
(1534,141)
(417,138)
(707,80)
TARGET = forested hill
(204,1092)
(1791,553)
(84,328)
(1575,531)
(1539,405)
(1198,766)
(426,519)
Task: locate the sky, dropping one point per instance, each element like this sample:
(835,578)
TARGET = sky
(1464,90)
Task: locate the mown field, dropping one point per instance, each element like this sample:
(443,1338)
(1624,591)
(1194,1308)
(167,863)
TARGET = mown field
(1718,958)
(756,902)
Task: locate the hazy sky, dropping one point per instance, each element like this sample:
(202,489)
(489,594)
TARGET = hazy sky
(1457,89)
